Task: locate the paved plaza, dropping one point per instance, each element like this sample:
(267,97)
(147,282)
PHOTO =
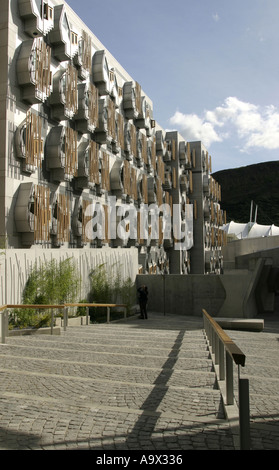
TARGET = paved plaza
(145,385)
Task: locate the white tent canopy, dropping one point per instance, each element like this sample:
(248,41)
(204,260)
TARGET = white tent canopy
(250,230)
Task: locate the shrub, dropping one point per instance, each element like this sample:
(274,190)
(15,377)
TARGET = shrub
(108,286)
(50,283)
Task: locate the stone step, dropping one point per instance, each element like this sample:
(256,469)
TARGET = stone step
(128,379)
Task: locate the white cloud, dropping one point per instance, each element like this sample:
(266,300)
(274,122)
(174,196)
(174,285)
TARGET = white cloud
(216,17)
(255,127)
(195,128)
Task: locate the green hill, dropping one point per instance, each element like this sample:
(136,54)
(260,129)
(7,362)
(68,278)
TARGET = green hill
(258,183)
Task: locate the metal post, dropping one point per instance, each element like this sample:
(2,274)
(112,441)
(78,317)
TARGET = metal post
(87,315)
(221,361)
(108,314)
(213,341)
(217,349)
(229,379)
(65,317)
(3,327)
(125,313)
(244,414)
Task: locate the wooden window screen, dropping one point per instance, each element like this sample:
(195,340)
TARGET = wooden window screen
(159,191)
(144,148)
(144,189)
(93,105)
(71,153)
(71,92)
(133,134)
(63,218)
(33,140)
(94,175)
(42,68)
(86,52)
(111,119)
(42,214)
(120,131)
(105,183)
(134,188)
(126,178)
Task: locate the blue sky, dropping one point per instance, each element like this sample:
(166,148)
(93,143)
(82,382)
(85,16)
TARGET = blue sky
(211,68)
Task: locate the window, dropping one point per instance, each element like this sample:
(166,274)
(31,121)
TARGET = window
(74,37)
(48,12)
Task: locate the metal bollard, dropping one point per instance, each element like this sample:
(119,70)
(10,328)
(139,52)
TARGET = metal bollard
(244,414)
(108,314)
(65,317)
(229,379)
(87,315)
(4,326)
(52,322)
(221,361)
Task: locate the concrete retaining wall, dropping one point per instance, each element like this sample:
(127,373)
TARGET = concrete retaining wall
(225,295)
(16,265)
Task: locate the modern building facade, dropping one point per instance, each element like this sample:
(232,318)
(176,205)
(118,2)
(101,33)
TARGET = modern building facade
(84,163)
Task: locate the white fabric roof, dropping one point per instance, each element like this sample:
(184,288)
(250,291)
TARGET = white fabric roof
(250,230)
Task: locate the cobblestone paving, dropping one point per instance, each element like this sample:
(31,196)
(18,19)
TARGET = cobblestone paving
(139,385)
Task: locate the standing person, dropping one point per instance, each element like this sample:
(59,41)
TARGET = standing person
(143,297)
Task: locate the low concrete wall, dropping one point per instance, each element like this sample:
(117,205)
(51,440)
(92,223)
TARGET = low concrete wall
(225,295)
(183,294)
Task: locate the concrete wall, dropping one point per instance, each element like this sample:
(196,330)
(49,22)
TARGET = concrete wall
(184,294)
(248,246)
(231,295)
(16,265)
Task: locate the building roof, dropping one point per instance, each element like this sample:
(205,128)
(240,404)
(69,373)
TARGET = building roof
(249,230)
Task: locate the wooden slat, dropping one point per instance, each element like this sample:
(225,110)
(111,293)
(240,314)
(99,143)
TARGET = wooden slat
(93,105)
(94,175)
(105,183)
(71,153)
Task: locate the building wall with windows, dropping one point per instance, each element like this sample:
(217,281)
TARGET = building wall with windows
(84,163)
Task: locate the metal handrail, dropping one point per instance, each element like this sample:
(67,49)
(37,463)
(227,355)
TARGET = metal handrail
(236,354)
(4,308)
(226,352)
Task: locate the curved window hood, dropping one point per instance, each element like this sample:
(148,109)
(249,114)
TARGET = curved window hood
(87,117)
(33,214)
(38,16)
(64,98)
(29,142)
(34,70)
(60,35)
(61,153)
